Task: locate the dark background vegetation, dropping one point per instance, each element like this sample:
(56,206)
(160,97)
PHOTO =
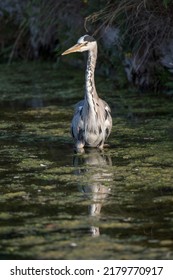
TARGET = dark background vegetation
(136,35)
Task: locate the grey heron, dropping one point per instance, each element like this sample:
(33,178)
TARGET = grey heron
(92,122)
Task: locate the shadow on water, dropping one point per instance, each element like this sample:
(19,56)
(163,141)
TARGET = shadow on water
(55,204)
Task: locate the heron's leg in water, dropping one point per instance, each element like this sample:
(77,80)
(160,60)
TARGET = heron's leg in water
(79,146)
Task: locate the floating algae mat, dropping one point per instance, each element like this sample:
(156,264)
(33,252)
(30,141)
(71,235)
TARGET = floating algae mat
(54,204)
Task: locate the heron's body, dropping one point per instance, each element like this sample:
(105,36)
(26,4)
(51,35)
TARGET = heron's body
(92,122)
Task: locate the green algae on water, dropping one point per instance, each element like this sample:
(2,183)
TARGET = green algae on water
(56,204)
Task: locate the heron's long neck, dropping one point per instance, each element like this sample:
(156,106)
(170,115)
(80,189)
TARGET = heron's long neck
(91,93)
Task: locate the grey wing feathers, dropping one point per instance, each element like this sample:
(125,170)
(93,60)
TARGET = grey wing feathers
(79,105)
(108,120)
(77,121)
(94,128)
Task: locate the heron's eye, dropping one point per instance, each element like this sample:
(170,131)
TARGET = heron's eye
(83,44)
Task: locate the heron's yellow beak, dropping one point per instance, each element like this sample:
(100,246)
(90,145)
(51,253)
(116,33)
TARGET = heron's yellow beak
(75,48)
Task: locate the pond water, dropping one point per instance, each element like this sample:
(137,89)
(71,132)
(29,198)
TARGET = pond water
(55,204)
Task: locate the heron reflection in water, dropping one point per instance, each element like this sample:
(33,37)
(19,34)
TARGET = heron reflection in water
(92,121)
(96,179)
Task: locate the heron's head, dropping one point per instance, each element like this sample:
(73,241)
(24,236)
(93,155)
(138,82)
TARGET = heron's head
(85,43)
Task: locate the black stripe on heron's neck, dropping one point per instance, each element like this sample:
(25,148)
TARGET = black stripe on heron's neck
(90,82)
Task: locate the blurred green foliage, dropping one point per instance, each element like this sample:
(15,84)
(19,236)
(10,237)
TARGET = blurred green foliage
(166,3)
(41,29)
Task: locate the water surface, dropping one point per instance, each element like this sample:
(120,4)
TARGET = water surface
(54,204)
